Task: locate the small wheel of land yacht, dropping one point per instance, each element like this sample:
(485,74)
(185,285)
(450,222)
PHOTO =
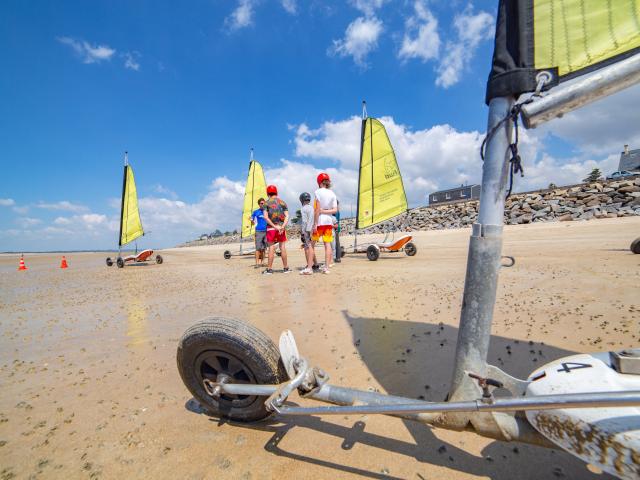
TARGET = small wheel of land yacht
(223,350)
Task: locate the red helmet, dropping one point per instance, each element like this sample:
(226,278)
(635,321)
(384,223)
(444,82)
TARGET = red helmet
(272,190)
(323,177)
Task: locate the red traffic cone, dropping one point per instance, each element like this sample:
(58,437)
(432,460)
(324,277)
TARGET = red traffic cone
(63,263)
(22,266)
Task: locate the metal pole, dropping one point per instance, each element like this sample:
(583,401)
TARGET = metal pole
(575,94)
(483,261)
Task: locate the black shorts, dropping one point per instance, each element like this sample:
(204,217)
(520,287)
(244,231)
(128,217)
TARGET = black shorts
(261,240)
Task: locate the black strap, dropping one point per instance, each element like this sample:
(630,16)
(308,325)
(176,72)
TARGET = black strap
(515,163)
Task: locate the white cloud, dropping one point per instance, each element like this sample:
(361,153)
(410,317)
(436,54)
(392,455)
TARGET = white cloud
(421,39)
(7,202)
(602,127)
(471,29)
(291,6)
(89,53)
(63,205)
(439,157)
(360,39)
(23,210)
(62,221)
(161,190)
(242,16)
(131,60)
(28,221)
(368,7)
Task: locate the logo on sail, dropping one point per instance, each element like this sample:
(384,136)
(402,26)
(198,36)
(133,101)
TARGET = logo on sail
(390,169)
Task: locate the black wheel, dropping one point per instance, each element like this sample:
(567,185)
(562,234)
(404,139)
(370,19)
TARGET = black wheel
(343,252)
(120,262)
(109,262)
(410,249)
(227,254)
(159,259)
(635,245)
(373,253)
(243,354)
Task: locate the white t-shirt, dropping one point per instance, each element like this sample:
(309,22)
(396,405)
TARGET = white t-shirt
(327,200)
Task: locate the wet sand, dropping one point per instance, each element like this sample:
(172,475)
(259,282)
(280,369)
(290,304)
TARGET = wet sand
(90,387)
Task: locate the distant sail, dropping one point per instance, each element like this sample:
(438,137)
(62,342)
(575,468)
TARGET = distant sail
(255,189)
(130,224)
(381,194)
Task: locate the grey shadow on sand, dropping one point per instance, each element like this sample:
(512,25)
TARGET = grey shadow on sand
(415,360)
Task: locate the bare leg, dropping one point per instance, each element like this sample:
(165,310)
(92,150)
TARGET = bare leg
(327,255)
(283,254)
(272,252)
(257,257)
(313,253)
(309,254)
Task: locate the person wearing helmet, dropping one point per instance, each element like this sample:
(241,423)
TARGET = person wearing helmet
(277,216)
(306,229)
(257,218)
(325,205)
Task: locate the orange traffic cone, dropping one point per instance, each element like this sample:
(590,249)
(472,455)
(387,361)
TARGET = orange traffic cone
(22,265)
(63,263)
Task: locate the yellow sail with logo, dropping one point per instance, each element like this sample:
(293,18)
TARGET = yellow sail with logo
(130,224)
(381,194)
(255,189)
(562,38)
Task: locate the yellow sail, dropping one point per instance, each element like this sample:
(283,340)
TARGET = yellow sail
(577,34)
(381,193)
(255,189)
(130,224)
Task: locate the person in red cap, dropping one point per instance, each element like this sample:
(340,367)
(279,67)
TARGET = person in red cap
(277,216)
(325,205)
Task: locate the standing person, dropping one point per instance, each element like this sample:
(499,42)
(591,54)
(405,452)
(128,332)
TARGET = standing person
(277,216)
(257,218)
(306,230)
(325,205)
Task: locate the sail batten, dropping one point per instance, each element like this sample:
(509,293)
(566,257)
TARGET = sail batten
(130,223)
(256,187)
(381,194)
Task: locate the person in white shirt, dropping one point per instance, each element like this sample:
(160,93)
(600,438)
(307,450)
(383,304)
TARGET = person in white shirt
(325,205)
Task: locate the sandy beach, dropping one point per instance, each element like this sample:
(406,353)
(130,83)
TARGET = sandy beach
(90,387)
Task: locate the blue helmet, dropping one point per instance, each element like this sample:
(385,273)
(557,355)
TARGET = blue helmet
(305,197)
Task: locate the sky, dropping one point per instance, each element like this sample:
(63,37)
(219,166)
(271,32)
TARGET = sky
(187,88)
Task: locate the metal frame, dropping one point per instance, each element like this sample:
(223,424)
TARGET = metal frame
(470,405)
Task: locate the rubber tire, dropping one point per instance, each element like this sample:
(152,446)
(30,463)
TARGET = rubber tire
(635,246)
(109,262)
(410,249)
(245,342)
(343,252)
(227,254)
(159,259)
(120,262)
(373,253)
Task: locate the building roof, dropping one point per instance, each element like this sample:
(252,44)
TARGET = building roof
(455,189)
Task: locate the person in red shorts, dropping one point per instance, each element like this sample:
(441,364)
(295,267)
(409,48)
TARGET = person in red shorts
(325,205)
(277,216)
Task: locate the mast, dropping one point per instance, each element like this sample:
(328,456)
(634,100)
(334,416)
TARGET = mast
(124,189)
(364,122)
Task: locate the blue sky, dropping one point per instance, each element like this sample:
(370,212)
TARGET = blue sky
(188,88)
